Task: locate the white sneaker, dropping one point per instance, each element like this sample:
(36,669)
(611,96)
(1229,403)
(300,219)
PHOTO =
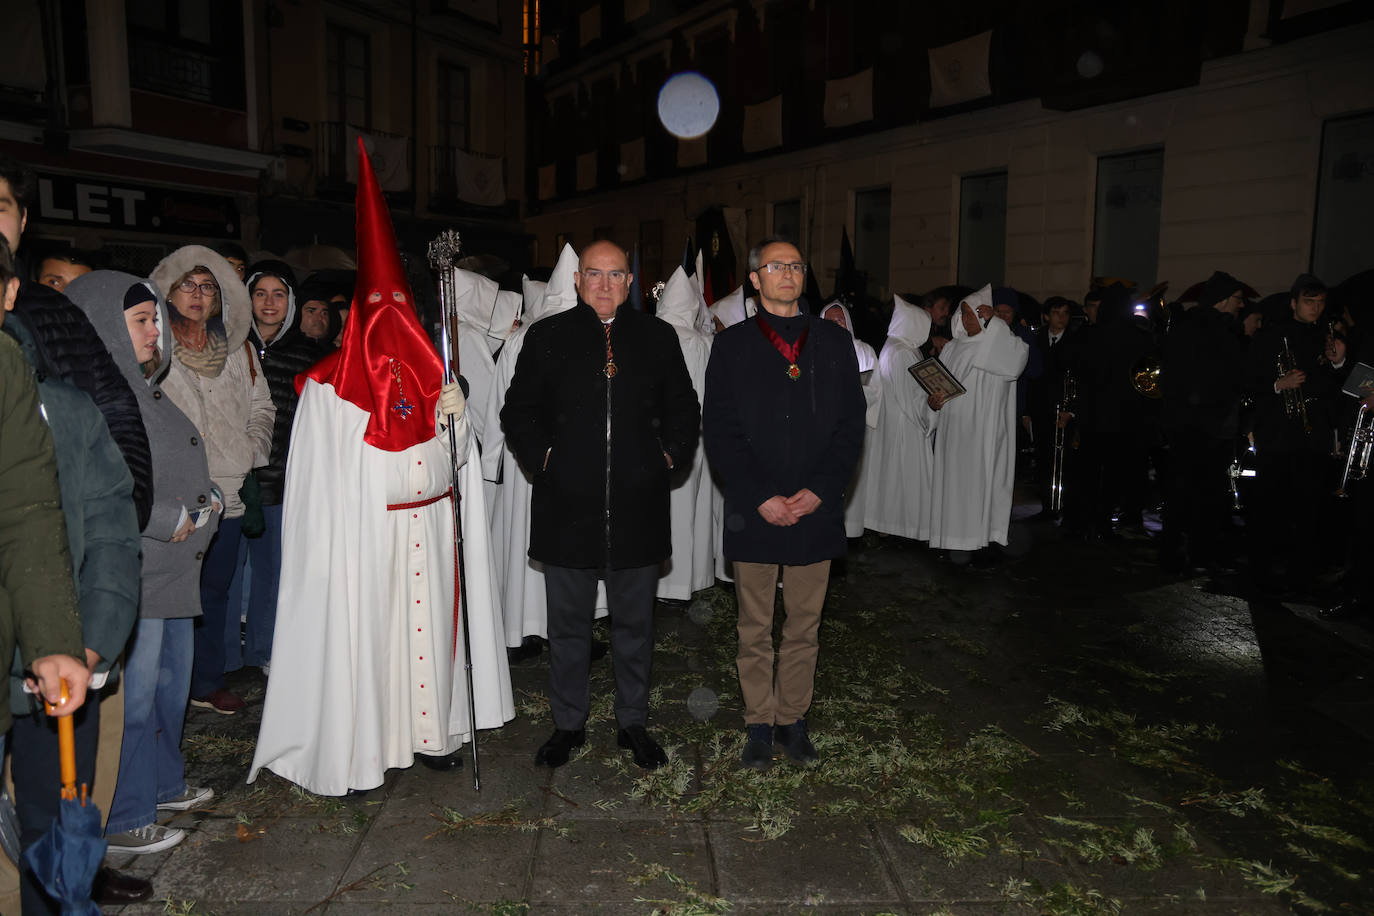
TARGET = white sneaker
(193,797)
(142,841)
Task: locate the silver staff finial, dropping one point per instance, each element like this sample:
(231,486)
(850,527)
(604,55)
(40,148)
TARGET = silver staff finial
(443,251)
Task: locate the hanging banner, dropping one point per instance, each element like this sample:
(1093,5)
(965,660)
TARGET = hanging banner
(481,179)
(691,152)
(762,125)
(548,181)
(390,158)
(849,100)
(586,171)
(959,71)
(632,160)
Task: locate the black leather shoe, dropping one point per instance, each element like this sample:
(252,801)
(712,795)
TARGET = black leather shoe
(796,744)
(530,647)
(452,761)
(555,751)
(758,748)
(116,888)
(648,755)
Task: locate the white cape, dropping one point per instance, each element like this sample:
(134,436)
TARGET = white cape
(374,667)
(975,441)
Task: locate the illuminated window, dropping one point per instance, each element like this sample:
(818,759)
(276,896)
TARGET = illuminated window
(532,37)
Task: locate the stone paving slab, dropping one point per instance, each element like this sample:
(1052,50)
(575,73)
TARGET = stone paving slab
(513,783)
(928,878)
(296,859)
(835,860)
(595,861)
(410,861)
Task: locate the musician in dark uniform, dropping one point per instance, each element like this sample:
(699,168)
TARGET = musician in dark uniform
(1293,388)
(1202,375)
(1046,393)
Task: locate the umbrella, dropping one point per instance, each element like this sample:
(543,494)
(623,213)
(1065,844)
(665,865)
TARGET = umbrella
(66,858)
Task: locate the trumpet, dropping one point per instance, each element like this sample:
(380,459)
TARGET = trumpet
(1357,458)
(1066,398)
(1294,403)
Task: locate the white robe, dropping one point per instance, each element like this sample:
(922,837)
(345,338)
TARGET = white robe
(871,384)
(374,667)
(692,566)
(894,482)
(975,439)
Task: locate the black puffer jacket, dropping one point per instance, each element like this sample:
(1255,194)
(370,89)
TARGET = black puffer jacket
(66,341)
(282,360)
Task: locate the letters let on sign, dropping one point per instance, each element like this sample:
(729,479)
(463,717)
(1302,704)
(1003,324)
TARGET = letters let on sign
(79,201)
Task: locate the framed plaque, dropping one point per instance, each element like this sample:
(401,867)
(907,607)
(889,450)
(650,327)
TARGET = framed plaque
(932,375)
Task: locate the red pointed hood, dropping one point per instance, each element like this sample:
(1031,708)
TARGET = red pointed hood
(385,363)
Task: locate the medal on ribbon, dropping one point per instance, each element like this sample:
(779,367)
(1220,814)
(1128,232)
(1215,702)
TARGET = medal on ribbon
(611,369)
(790,351)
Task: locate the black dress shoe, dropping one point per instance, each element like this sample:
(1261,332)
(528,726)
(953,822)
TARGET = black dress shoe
(648,755)
(529,647)
(117,888)
(796,743)
(452,761)
(356,793)
(555,751)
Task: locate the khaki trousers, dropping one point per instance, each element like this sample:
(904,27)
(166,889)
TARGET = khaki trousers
(783,698)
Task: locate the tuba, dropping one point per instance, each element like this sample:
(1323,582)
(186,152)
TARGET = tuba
(1145,377)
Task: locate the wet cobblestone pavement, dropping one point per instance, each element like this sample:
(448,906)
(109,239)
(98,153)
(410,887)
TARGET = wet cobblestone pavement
(1071,732)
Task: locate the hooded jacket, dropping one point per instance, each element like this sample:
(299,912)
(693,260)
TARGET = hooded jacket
(181,477)
(63,337)
(97,505)
(38,611)
(282,359)
(232,410)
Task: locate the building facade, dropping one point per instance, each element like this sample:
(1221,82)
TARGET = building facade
(974,148)
(154,123)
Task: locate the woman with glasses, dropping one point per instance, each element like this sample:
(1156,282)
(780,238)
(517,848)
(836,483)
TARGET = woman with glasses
(218,383)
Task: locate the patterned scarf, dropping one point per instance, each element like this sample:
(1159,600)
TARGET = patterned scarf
(198,348)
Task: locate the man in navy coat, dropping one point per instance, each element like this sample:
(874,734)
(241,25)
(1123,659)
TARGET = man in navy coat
(783,427)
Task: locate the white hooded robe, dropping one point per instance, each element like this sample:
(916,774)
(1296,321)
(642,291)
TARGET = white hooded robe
(895,472)
(975,435)
(692,566)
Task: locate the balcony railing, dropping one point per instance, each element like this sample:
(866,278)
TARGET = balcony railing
(333,152)
(185,72)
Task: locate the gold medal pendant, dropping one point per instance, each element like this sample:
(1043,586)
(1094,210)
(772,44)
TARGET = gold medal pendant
(611,370)
(794,372)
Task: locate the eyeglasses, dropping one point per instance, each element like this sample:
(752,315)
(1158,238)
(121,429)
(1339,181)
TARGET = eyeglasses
(190,286)
(777,267)
(615,277)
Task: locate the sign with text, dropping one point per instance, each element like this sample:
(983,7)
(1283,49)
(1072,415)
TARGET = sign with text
(81,201)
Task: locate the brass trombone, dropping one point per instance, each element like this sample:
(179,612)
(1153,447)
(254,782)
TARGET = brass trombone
(1066,399)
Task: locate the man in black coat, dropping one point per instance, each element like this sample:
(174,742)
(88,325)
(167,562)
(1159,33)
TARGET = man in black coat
(599,412)
(1202,377)
(1293,437)
(784,424)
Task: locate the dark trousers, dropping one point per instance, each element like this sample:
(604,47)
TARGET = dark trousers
(1197,506)
(1284,519)
(571,599)
(37,775)
(216,574)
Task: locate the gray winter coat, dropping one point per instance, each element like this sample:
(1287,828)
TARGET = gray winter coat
(233,411)
(181,476)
